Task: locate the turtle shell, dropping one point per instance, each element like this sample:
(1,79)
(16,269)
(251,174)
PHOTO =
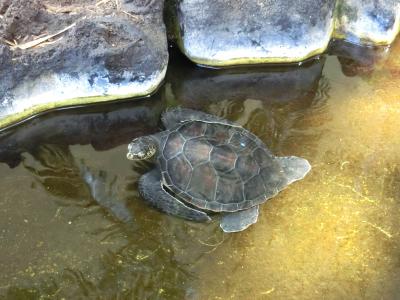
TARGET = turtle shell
(218,167)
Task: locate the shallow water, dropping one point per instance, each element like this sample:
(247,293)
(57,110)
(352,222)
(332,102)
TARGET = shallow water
(333,235)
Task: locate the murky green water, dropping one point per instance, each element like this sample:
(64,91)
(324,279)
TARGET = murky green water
(334,235)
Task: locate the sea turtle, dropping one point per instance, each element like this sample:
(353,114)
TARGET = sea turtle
(207,164)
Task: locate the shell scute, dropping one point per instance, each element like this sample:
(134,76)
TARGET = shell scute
(247,167)
(173,145)
(254,188)
(193,129)
(197,151)
(179,171)
(240,141)
(203,182)
(218,133)
(223,158)
(229,188)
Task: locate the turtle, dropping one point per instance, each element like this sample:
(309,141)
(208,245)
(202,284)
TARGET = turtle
(205,165)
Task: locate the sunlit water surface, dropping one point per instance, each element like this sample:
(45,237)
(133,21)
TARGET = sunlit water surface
(333,235)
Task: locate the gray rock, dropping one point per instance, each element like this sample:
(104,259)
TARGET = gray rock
(232,32)
(375,22)
(111,49)
(229,32)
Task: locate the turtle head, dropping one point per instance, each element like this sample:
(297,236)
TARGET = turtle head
(142,148)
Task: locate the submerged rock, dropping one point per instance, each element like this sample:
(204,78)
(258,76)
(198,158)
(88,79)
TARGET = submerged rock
(102,50)
(232,32)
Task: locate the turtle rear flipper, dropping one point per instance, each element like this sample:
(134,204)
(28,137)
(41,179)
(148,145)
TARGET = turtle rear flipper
(151,189)
(240,220)
(295,168)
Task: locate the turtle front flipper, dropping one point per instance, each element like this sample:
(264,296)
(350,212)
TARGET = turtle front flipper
(239,220)
(151,189)
(174,116)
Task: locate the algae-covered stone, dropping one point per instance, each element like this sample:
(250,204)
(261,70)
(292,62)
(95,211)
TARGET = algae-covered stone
(229,32)
(101,50)
(368,21)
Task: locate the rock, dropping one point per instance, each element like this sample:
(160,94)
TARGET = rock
(109,50)
(234,32)
(374,22)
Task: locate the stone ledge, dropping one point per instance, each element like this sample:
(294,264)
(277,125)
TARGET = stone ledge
(108,52)
(235,32)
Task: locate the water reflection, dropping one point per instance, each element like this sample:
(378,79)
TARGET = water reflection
(104,127)
(358,60)
(195,86)
(333,235)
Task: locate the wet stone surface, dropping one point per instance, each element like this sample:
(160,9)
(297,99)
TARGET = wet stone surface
(368,21)
(232,32)
(106,50)
(226,33)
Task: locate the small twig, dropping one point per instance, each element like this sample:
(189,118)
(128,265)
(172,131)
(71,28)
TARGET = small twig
(214,246)
(268,292)
(343,164)
(12,44)
(54,9)
(57,214)
(129,14)
(209,245)
(389,235)
(50,42)
(41,40)
(355,192)
(102,2)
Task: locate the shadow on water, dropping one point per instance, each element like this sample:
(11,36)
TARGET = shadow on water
(357,60)
(59,239)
